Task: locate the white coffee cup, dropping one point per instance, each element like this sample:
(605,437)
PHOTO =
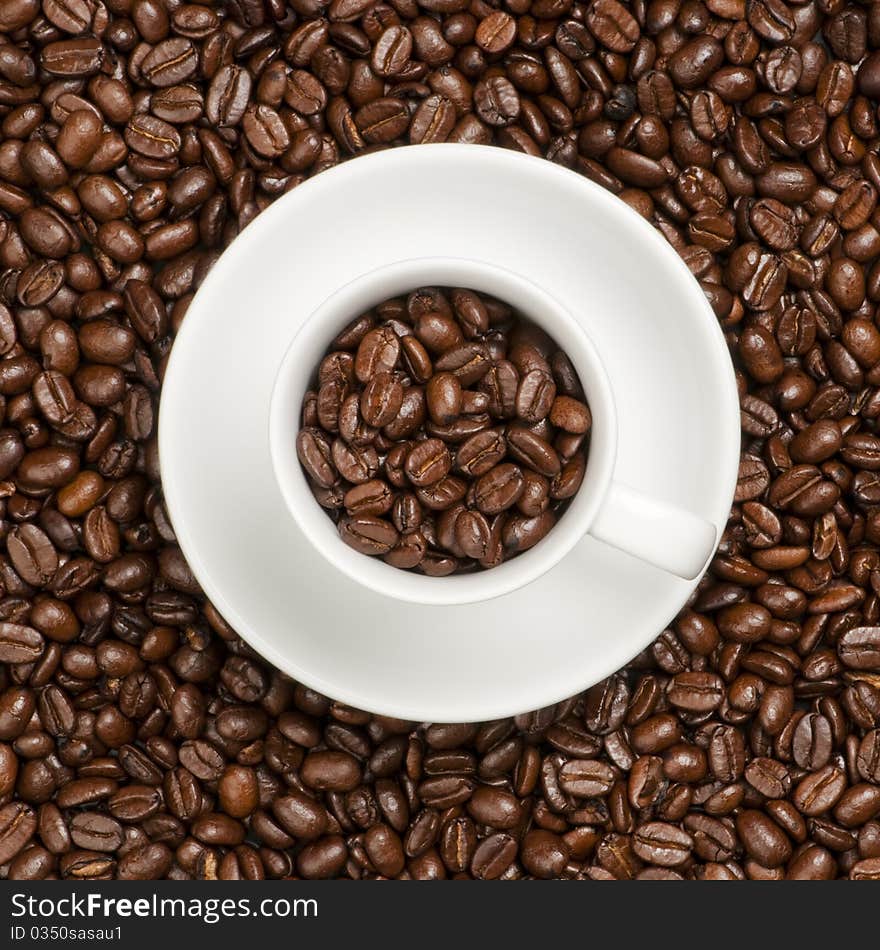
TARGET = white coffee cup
(648,528)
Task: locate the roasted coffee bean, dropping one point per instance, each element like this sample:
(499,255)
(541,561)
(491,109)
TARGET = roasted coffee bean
(530,449)
(481,452)
(496,101)
(73,58)
(96,832)
(473,534)
(819,791)
(392,50)
(427,462)
(32,554)
(763,839)
(499,488)
(381,399)
(20,644)
(378,352)
(544,853)
(501,383)
(313,449)
(444,398)
(135,803)
(152,137)
(695,692)
(368,535)
(228,94)
(812,742)
(663,844)
(18,822)
(535,396)
(371,498)
(382,120)
(570,414)
(330,770)
(300,815)
(859,648)
(493,856)
(469,362)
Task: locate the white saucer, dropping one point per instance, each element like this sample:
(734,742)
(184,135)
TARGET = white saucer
(665,355)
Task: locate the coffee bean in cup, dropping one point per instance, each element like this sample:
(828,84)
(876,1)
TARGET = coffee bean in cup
(445,432)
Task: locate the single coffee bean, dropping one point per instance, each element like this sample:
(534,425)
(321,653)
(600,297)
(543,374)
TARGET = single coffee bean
(152,137)
(481,452)
(18,822)
(570,414)
(499,488)
(32,553)
(368,535)
(428,462)
(493,856)
(96,832)
(313,450)
(381,399)
(544,853)
(228,95)
(530,449)
(444,398)
(859,648)
(473,534)
(378,352)
(19,644)
(497,101)
(663,844)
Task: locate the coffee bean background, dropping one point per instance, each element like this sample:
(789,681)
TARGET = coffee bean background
(139,737)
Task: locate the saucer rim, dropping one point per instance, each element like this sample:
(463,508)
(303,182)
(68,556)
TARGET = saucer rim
(472,710)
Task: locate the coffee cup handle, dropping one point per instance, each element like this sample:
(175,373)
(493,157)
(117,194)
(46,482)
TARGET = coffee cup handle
(655,531)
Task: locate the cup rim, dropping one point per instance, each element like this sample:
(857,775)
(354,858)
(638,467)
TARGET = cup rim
(297,367)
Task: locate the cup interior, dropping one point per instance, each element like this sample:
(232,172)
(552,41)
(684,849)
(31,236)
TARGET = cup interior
(295,376)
